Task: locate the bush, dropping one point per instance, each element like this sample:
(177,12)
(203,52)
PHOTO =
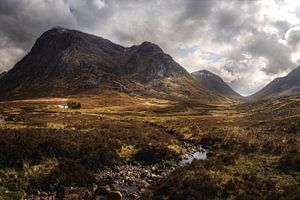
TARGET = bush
(35,145)
(74,105)
(290,161)
(69,172)
(155,154)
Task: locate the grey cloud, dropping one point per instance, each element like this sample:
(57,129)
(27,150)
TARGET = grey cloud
(297,11)
(267,46)
(293,36)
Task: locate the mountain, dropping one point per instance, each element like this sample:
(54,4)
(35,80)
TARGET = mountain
(283,86)
(64,62)
(215,83)
(2,74)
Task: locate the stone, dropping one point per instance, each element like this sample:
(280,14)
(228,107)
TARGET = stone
(114,195)
(133,196)
(144,184)
(95,187)
(98,197)
(72,197)
(104,190)
(145,174)
(115,169)
(44,194)
(71,193)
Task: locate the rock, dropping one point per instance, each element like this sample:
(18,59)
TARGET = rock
(154,169)
(144,184)
(104,190)
(133,196)
(164,174)
(74,192)
(72,197)
(162,166)
(115,169)
(142,190)
(95,187)
(114,195)
(136,163)
(145,174)
(109,179)
(44,194)
(98,197)
(2,118)
(52,187)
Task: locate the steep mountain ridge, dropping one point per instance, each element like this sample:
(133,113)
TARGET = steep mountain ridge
(216,84)
(64,61)
(2,74)
(282,86)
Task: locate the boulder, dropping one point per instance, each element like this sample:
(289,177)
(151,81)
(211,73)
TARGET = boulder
(145,174)
(114,195)
(72,197)
(103,190)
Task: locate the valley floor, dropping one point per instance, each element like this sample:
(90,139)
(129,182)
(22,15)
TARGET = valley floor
(133,150)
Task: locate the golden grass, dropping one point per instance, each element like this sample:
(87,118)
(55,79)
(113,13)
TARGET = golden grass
(175,147)
(55,126)
(127,152)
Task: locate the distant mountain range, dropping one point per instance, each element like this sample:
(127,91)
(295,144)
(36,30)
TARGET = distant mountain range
(283,86)
(215,83)
(64,62)
(67,62)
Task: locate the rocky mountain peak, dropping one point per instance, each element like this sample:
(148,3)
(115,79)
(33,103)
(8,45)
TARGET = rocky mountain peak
(215,83)
(282,86)
(64,61)
(148,47)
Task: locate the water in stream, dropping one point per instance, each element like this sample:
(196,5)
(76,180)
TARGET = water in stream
(199,155)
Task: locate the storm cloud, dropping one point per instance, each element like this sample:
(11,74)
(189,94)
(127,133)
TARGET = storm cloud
(248,43)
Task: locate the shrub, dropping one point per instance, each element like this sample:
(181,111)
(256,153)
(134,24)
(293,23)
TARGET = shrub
(35,145)
(74,105)
(290,161)
(155,154)
(69,172)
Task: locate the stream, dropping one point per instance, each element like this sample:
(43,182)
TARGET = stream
(133,179)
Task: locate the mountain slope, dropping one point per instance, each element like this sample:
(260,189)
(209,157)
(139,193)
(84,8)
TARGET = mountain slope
(215,83)
(2,74)
(64,62)
(283,86)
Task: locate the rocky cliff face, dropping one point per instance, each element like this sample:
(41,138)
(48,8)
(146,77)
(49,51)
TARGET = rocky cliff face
(147,61)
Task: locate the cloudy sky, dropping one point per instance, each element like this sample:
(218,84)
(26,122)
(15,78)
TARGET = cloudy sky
(246,42)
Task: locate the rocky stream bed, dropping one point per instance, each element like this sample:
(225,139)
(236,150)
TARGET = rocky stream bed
(129,180)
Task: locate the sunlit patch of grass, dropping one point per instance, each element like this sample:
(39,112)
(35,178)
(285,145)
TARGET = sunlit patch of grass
(14,126)
(55,126)
(12,110)
(262,165)
(175,147)
(127,152)
(86,130)
(254,163)
(187,135)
